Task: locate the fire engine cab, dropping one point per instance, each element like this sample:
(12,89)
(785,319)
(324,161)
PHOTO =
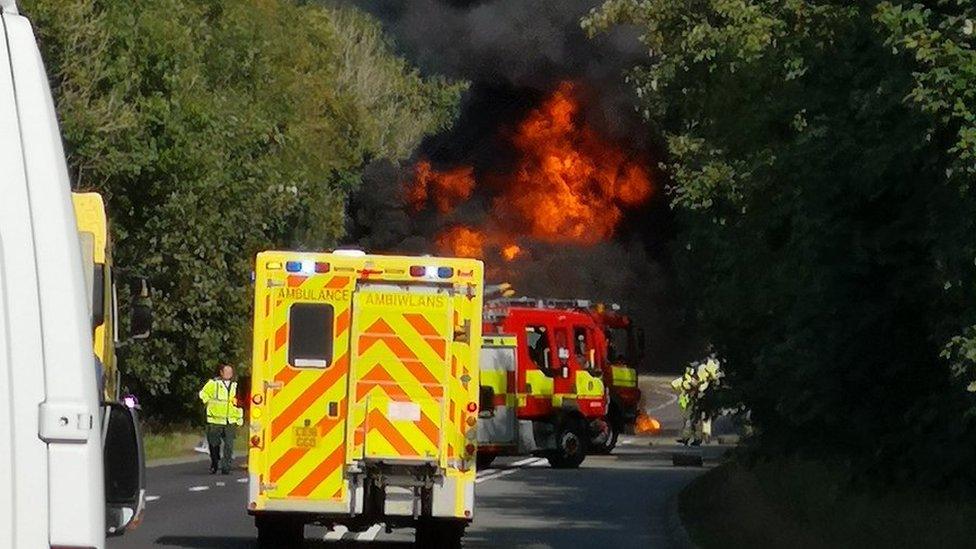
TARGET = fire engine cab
(542,389)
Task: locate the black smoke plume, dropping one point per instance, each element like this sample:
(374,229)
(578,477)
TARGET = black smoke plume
(514,53)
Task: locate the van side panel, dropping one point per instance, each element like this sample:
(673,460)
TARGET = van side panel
(23,507)
(74,453)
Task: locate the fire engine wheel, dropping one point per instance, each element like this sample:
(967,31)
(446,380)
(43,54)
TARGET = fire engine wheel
(440,534)
(279,531)
(484,460)
(571,443)
(609,442)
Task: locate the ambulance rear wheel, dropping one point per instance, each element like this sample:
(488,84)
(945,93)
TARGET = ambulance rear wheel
(279,531)
(571,445)
(439,534)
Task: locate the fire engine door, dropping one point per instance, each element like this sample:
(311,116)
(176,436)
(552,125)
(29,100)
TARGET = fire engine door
(563,367)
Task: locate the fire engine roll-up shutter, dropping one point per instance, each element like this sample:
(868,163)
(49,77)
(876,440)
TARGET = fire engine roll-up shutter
(401,343)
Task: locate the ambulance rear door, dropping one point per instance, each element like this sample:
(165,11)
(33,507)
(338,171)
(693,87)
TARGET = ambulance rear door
(400,367)
(303,382)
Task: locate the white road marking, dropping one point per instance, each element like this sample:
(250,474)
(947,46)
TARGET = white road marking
(672,399)
(199,488)
(525,461)
(242,480)
(336,533)
(221,484)
(541,462)
(151,498)
(370,534)
(499,474)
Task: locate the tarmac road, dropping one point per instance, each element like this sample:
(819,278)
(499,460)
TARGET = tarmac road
(618,501)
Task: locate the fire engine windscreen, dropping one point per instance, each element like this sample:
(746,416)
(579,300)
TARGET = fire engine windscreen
(310,335)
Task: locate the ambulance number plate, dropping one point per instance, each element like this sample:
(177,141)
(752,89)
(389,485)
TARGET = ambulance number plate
(305,437)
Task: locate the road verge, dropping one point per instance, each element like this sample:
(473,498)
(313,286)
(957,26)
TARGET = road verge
(800,504)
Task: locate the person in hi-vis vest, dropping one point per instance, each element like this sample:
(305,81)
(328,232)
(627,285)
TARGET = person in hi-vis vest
(223,417)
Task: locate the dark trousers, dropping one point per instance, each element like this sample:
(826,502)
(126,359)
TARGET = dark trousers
(215,435)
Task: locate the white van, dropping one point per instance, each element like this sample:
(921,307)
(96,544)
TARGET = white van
(70,467)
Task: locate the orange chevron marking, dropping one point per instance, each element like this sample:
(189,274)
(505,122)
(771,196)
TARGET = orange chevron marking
(286,374)
(337,282)
(285,462)
(429,428)
(298,406)
(378,422)
(342,323)
(430,335)
(378,328)
(295,280)
(319,474)
(281,336)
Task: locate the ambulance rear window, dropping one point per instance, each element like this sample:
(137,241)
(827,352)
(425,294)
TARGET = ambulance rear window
(310,335)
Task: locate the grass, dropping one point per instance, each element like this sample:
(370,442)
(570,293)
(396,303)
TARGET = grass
(179,442)
(801,504)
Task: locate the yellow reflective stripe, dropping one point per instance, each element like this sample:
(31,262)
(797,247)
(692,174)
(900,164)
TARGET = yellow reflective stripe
(588,385)
(624,376)
(498,341)
(541,383)
(496,379)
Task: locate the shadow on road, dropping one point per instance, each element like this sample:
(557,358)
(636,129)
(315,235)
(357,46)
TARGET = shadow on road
(224,542)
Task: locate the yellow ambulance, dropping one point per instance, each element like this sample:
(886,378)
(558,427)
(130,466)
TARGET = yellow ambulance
(100,278)
(364,394)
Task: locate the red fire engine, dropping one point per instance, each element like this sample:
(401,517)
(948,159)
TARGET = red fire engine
(542,389)
(624,345)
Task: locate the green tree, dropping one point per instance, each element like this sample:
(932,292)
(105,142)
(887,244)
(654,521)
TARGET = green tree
(822,183)
(216,129)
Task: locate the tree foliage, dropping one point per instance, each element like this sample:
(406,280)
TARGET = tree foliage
(216,129)
(821,156)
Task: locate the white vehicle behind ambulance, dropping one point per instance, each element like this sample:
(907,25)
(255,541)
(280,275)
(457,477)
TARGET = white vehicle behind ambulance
(70,467)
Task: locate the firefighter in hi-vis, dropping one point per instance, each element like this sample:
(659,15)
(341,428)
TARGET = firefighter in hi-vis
(223,417)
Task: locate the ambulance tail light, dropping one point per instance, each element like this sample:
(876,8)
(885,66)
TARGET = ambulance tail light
(418,270)
(256,441)
(469,448)
(322,267)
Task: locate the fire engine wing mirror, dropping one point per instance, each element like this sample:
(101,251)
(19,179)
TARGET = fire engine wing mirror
(140,316)
(125,468)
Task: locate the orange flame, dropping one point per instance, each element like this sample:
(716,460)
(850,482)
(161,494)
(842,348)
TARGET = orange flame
(511,251)
(570,185)
(461,241)
(448,188)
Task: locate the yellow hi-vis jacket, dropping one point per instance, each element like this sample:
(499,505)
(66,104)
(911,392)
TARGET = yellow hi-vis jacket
(221,400)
